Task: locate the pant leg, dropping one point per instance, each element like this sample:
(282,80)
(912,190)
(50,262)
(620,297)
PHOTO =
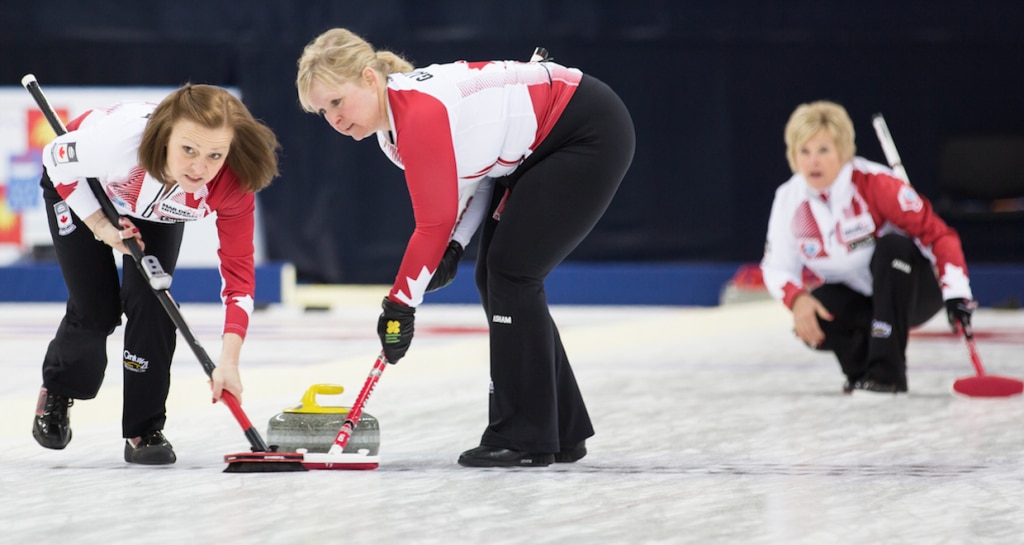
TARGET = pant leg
(574,423)
(906,294)
(535,404)
(76,358)
(927,299)
(149,335)
(846,335)
(557,196)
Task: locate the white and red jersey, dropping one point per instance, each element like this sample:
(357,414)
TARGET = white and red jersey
(832,232)
(104,143)
(456,126)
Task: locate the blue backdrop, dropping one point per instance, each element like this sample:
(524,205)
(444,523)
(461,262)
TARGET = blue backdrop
(709,84)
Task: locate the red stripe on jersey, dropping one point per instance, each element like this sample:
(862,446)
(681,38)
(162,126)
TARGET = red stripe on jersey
(550,91)
(76,122)
(424,139)
(549,101)
(803,224)
(66,189)
(790,292)
(805,230)
(235,226)
(484,171)
(128,189)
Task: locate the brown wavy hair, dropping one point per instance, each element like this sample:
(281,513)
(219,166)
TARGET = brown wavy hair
(254,147)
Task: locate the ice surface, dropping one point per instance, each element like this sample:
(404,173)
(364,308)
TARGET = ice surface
(714,425)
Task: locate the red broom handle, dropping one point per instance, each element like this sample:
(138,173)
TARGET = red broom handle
(975,359)
(356,411)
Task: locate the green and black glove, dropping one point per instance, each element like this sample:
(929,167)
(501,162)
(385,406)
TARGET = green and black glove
(395,328)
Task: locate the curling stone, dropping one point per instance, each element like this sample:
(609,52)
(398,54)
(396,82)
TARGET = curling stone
(313,427)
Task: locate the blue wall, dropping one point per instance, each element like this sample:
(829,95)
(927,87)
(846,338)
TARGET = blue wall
(43,283)
(709,84)
(689,284)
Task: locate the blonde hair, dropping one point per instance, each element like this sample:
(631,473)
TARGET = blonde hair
(339,56)
(810,118)
(253,153)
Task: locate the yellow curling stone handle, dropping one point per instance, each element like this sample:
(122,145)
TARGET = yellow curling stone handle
(309,404)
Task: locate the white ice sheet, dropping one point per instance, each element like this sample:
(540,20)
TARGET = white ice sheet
(713,426)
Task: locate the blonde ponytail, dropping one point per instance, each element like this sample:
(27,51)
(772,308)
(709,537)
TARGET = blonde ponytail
(391,63)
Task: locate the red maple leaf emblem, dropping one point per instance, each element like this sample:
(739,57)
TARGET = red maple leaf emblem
(60,152)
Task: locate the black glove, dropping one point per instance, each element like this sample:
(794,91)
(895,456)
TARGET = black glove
(447,268)
(395,329)
(959,311)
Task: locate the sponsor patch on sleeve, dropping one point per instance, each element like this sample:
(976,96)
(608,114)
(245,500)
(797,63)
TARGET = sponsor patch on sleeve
(65,223)
(910,201)
(64,153)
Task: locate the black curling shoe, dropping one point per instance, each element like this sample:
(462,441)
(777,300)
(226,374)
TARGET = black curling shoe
(571,454)
(153,449)
(51,426)
(880,387)
(484,456)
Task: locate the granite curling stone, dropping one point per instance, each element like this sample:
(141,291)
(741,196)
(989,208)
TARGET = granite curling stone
(313,427)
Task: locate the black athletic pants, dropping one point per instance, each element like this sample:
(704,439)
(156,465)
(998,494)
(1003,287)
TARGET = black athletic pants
(76,358)
(556,197)
(869,334)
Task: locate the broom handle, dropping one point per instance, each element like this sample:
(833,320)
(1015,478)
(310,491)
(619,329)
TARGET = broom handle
(972,349)
(356,411)
(889,147)
(893,158)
